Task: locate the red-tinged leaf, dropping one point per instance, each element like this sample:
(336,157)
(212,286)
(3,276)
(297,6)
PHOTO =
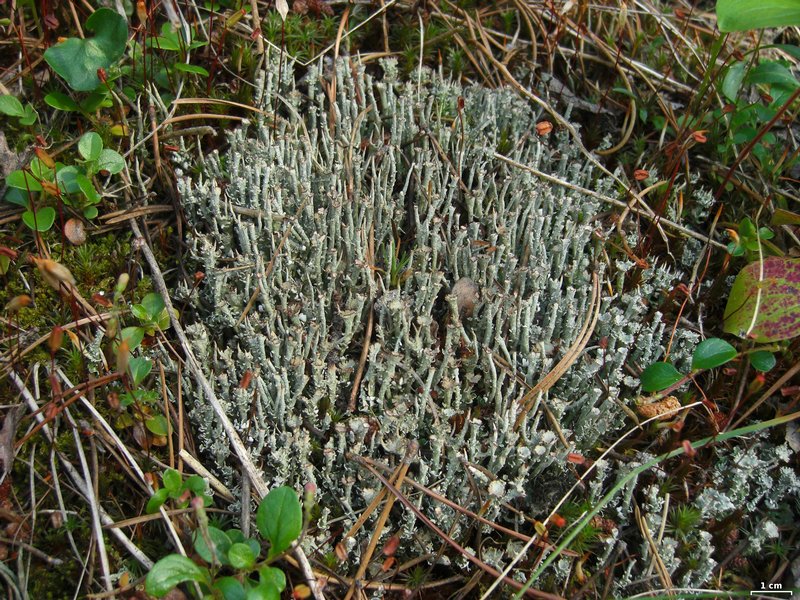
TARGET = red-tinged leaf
(765,309)
(391,545)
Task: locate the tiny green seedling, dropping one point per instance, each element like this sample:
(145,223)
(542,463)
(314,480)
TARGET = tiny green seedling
(72,184)
(748,240)
(25,115)
(230,566)
(181,492)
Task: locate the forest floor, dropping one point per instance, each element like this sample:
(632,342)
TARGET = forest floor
(94,105)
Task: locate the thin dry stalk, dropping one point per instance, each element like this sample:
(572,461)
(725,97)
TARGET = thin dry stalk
(648,214)
(521,554)
(94,506)
(465,511)
(663,573)
(530,592)
(131,462)
(410,456)
(569,358)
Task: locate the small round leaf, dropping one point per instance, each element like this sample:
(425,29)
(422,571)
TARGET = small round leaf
(231,588)
(90,145)
(274,576)
(172,480)
(132,335)
(219,541)
(23,180)
(264,591)
(156,500)
(196,484)
(41,220)
(659,376)
(61,101)
(111,161)
(241,556)
(763,361)
(171,571)
(712,353)
(280,518)
(12,107)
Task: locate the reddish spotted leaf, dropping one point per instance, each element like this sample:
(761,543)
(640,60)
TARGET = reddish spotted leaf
(774,313)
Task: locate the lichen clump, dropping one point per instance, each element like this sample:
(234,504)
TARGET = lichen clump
(369,211)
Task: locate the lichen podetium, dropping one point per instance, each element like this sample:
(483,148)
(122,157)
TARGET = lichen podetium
(392,195)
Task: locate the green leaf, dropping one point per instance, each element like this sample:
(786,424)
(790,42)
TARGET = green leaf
(10,106)
(659,376)
(41,220)
(171,571)
(96,100)
(140,312)
(134,337)
(164,321)
(241,556)
(732,82)
(153,303)
(196,484)
(274,576)
(743,15)
(87,187)
(230,587)
(139,368)
(172,480)
(236,536)
(712,353)
(168,40)
(747,228)
(67,180)
(30,116)
(111,161)
(765,310)
(157,425)
(5,262)
(773,73)
(90,212)
(17,196)
(790,49)
(280,519)
(77,60)
(90,145)
(762,360)
(220,542)
(23,180)
(61,101)
(194,69)
(40,170)
(156,501)
(263,591)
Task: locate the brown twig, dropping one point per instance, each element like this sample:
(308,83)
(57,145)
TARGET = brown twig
(530,592)
(411,453)
(571,355)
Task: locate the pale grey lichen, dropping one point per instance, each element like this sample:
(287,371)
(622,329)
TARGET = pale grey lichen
(380,202)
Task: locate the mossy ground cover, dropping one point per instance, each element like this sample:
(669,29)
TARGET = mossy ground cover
(697,124)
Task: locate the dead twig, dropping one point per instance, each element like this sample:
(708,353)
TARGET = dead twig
(411,453)
(571,355)
(529,593)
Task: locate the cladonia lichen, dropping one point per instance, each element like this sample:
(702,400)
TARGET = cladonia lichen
(336,219)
